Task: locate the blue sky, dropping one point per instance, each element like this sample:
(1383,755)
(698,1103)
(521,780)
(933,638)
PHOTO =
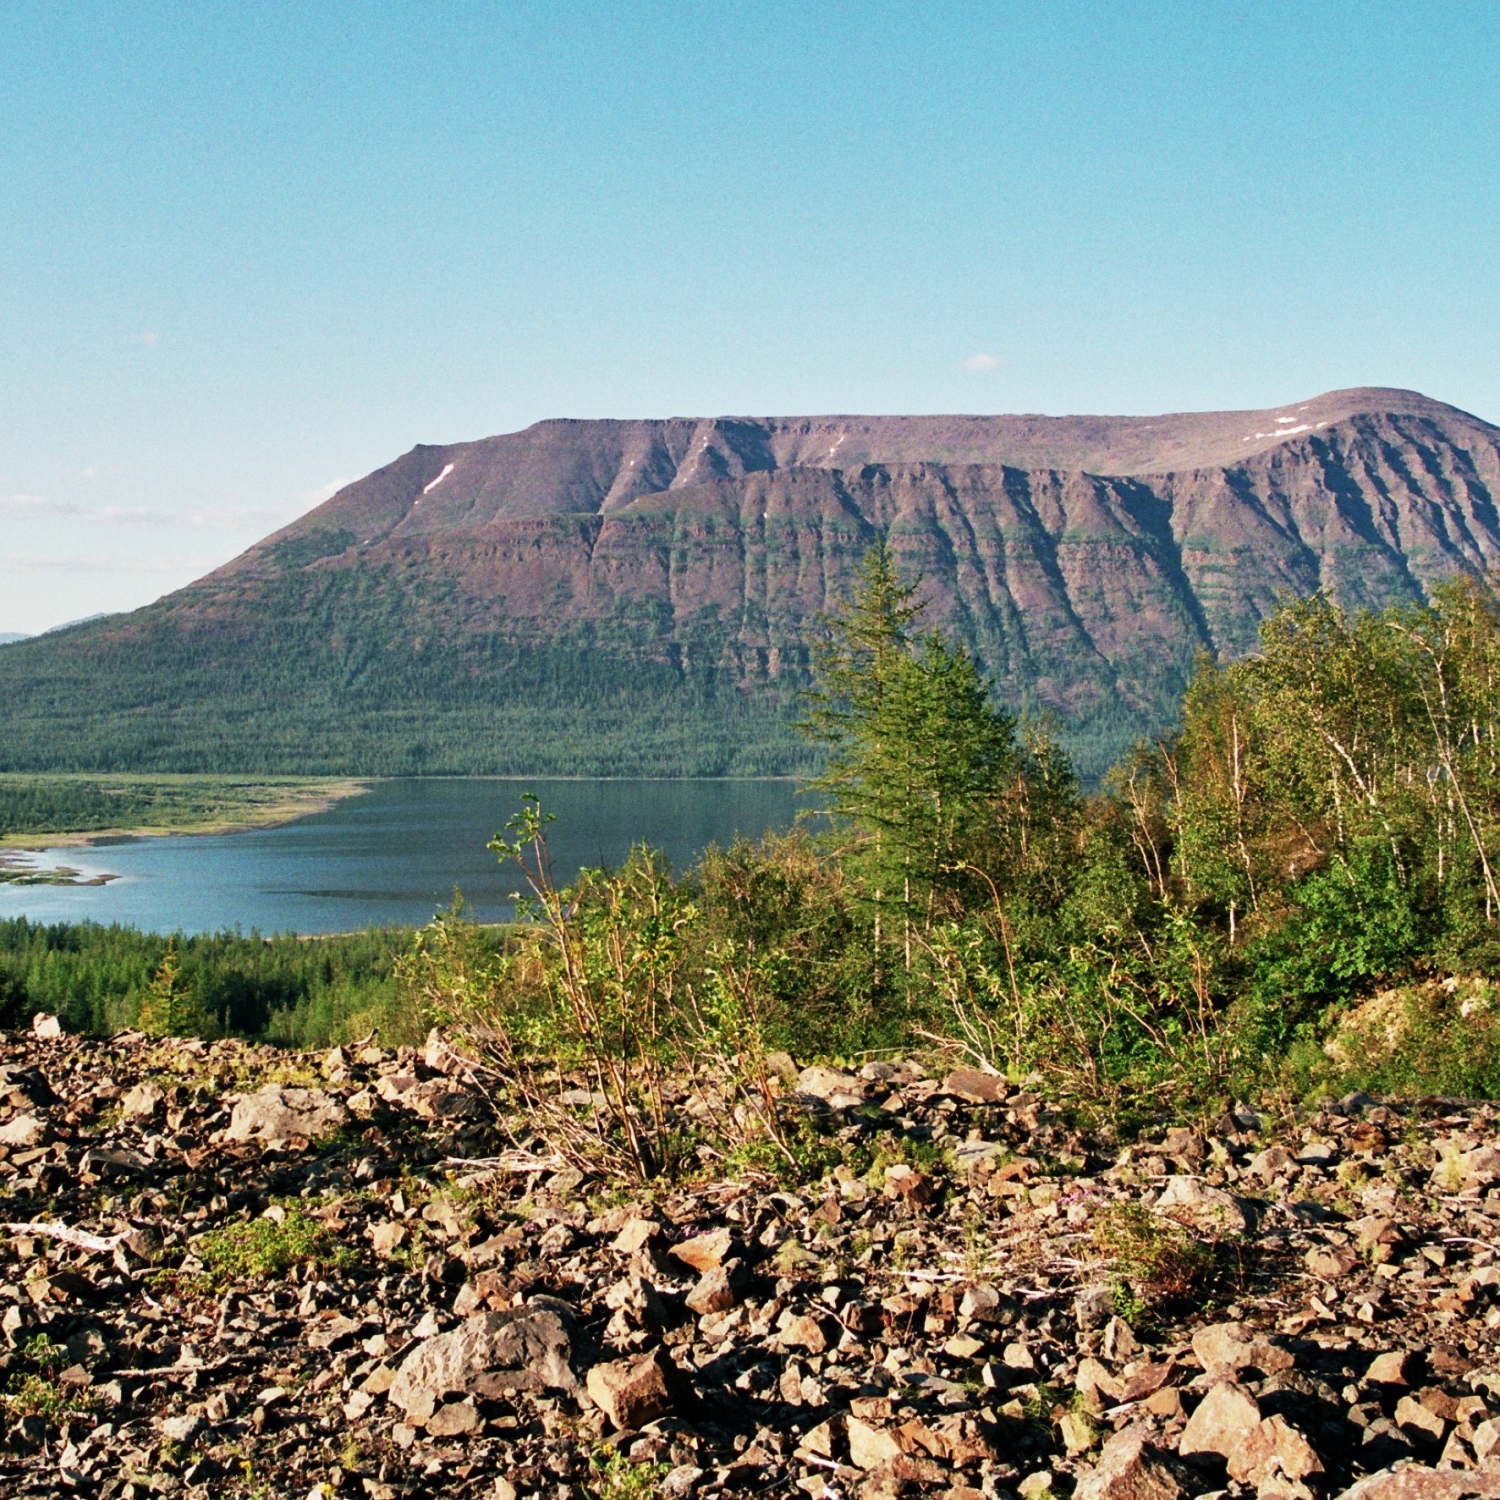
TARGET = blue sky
(247,252)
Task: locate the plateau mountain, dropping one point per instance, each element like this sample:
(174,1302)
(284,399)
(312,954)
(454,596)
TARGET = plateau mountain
(638,597)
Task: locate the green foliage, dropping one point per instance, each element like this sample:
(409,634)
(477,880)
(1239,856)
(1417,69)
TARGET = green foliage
(35,1391)
(1439,1037)
(358,671)
(918,752)
(33,1395)
(1156,1259)
(298,991)
(44,1352)
(258,1249)
(613,1476)
(169,1007)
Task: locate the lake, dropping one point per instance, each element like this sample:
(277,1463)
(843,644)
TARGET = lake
(392,854)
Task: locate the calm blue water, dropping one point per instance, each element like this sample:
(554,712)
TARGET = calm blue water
(394,854)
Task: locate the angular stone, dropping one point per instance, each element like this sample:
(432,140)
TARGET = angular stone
(1120,1342)
(1415,1482)
(1094,1307)
(455,1419)
(1184,1145)
(869,1447)
(1130,1468)
(1391,1368)
(1273,1447)
(1271,1161)
(981,1303)
(806,1331)
(1219,1424)
(1096,1386)
(704,1252)
(24,1130)
(1166,1404)
(1078,1433)
(975,1087)
(837,1089)
(635,1236)
(1486,1439)
(1236,1346)
(274,1115)
(819,1441)
(632,1392)
(1480,1166)
(106,1162)
(1209,1209)
(388,1237)
(1414,1417)
(682,1481)
(1330,1261)
(48,1027)
(184,1430)
(143,1101)
(526,1349)
(956,1439)
(713,1294)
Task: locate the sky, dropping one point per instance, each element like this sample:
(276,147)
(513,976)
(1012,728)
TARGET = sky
(250,253)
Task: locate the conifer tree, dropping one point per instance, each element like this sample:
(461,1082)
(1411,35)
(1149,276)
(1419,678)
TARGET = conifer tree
(919,752)
(170,1008)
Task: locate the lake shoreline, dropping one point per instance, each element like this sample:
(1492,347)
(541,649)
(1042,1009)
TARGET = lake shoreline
(395,854)
(300,801)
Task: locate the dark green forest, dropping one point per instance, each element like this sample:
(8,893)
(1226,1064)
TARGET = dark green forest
(88,802)
(333,677)
(362,673)
(303,992)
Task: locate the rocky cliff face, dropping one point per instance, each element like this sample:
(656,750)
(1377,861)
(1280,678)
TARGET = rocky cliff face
(1087,560)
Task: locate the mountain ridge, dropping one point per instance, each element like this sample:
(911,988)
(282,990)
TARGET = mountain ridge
(1086,560)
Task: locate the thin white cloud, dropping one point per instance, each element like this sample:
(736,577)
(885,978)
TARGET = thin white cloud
(263,518)
(231,517)
(981,362)
(36,505)
(322,493)
(157,567)
(150,338)
(130,515)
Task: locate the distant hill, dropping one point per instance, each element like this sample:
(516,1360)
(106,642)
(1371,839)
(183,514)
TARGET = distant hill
(9,637)
(638,596)
(81,620)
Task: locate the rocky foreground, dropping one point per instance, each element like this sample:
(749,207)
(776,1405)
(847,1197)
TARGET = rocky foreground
(232,1271)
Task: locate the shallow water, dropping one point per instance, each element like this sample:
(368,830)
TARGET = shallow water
(393,854)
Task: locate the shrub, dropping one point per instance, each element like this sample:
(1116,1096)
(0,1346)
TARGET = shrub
(1157,1258)
(257,1249)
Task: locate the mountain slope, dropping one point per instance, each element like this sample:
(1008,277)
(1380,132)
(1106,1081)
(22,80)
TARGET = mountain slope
(639,596)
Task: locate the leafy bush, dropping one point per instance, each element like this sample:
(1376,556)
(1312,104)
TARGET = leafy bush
(258,1249)
(1156,1258)
(1441,1037)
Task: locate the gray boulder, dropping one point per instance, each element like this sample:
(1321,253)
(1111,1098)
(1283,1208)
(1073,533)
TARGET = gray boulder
(274,1115)
(492,1354)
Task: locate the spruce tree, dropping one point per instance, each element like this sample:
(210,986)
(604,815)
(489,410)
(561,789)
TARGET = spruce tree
(918,750)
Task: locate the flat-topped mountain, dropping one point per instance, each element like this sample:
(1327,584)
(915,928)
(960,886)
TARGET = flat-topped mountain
(593,596)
